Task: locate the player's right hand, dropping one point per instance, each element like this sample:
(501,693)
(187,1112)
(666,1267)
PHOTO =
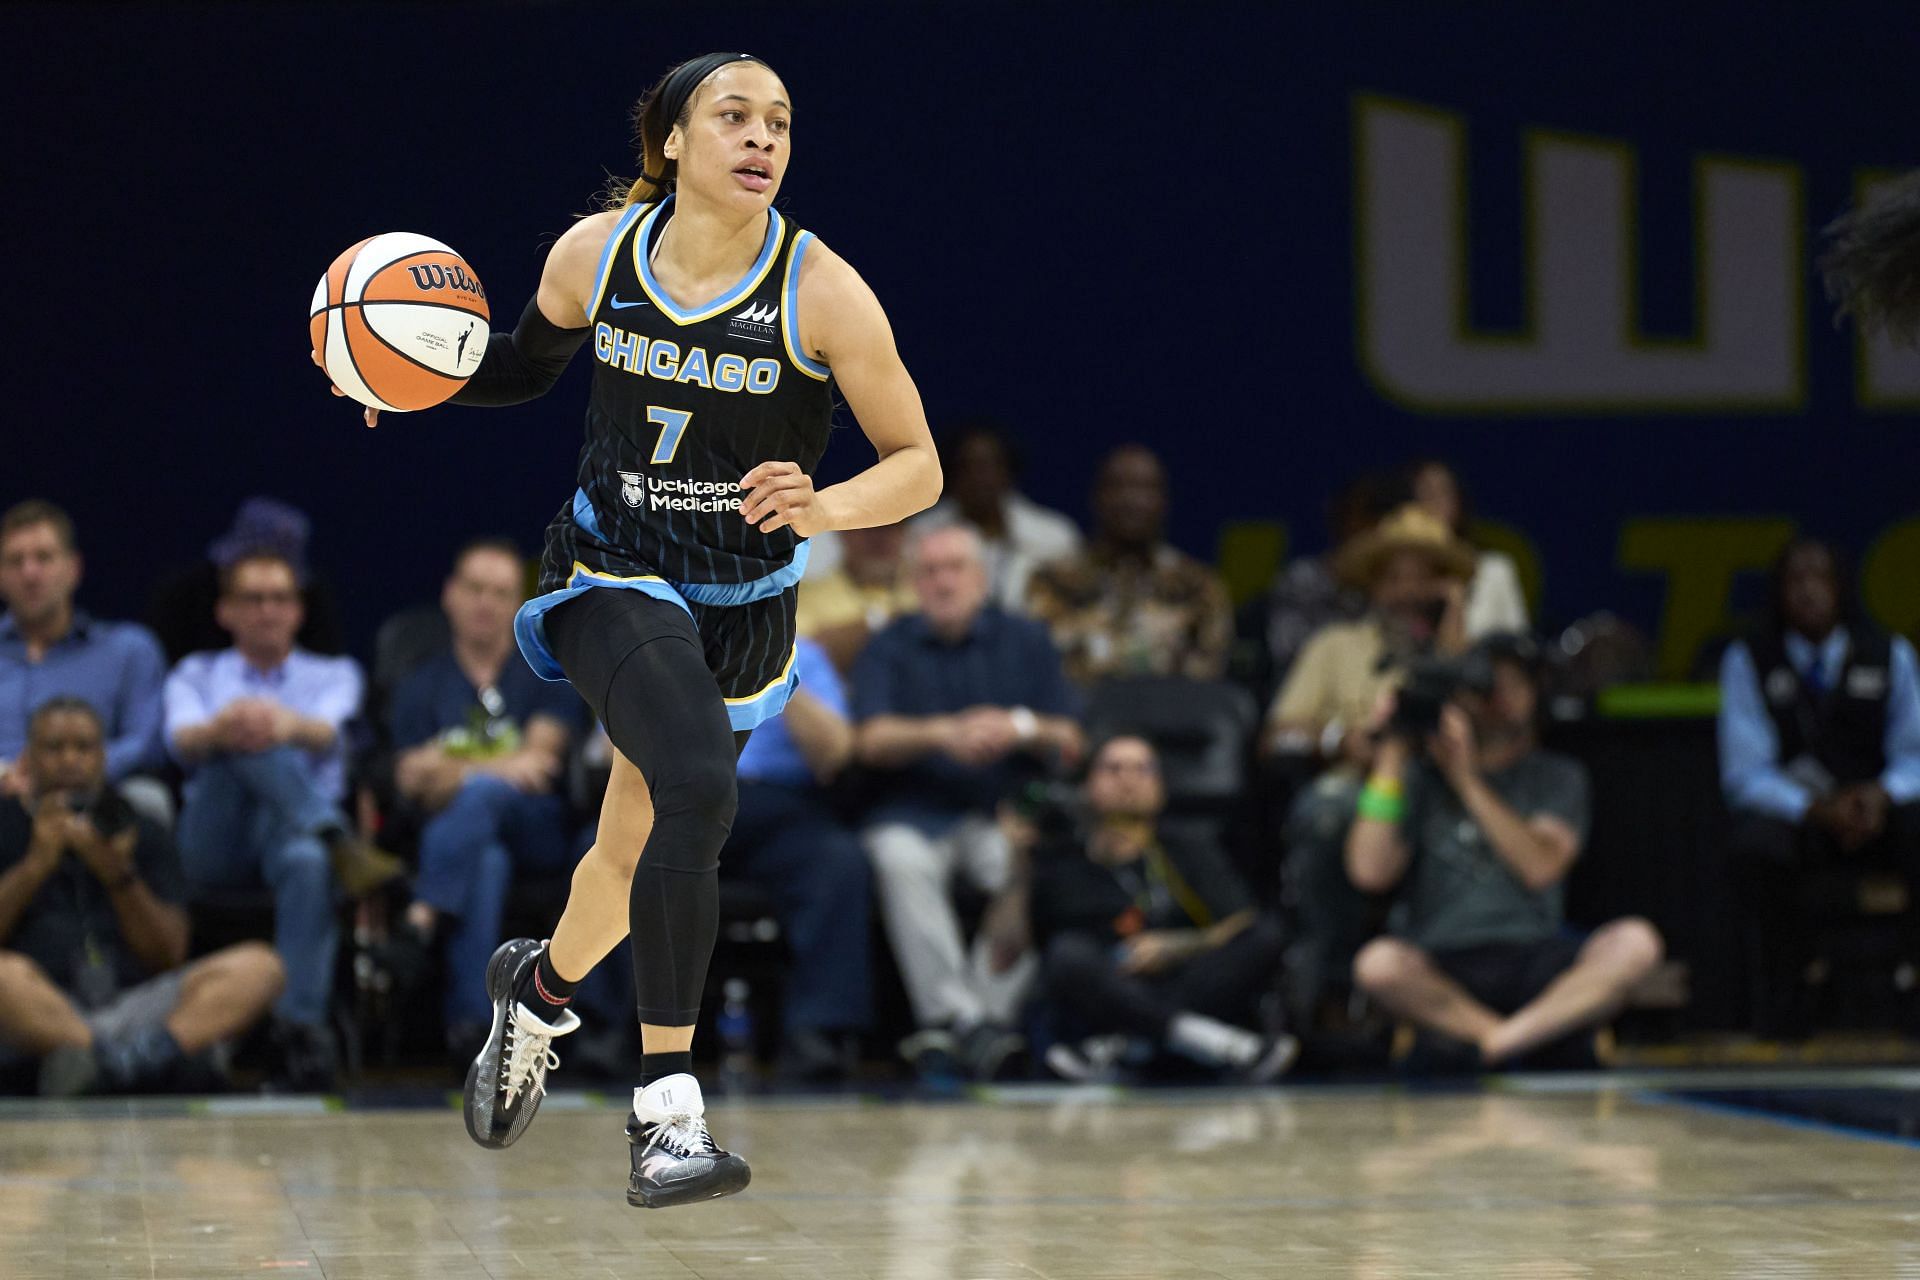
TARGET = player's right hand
(372,416)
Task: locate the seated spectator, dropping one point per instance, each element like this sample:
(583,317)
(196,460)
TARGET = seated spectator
(183,610)
(1130,604)
(50,649)
(866,591)
(1147,936)
(1495,602)
(787,838)
(481,745)
(1414,571)
(93,975)
(259,727)
(1478,828)
(1017,534)
(955,704)
(1819,761)
(1307,595)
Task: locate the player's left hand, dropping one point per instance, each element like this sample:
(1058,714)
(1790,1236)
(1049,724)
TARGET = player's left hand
(779,496)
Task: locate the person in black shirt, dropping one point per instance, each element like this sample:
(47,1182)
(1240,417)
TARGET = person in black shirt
(91,977)
(1147,936)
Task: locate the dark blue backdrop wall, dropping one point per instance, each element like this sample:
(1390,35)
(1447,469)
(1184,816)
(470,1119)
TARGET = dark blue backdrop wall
(1098,222)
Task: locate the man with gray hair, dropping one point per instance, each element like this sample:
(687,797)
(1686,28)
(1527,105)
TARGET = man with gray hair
(956,705)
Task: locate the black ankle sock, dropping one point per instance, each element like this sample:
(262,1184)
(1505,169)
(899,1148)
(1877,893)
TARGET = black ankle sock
(542,990)
(657,1066)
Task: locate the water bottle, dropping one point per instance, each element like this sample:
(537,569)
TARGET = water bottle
(736,1038)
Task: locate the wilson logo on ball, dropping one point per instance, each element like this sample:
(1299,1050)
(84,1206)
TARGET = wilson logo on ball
(434,276)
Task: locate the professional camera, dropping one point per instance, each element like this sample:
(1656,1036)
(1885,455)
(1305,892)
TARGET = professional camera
(105,809)
(1431,683)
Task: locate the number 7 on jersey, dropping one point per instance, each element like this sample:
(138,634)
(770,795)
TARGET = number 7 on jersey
(673,425)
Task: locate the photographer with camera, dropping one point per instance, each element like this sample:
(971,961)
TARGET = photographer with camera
(1142,935)
(1318,743)
(91,977)
(1478,828)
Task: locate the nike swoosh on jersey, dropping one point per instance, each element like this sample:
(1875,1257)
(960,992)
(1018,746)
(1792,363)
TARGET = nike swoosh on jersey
(618,305)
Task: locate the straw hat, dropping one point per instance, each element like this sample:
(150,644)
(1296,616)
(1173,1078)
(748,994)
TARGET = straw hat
(1410,528)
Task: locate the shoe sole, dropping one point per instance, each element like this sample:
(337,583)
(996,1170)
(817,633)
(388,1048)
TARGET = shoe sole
(497,977)
(729,1179)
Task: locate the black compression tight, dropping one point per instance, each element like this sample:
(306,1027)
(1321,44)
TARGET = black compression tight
(638,663)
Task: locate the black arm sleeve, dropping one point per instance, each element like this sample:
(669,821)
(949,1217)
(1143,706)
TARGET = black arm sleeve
(521,365)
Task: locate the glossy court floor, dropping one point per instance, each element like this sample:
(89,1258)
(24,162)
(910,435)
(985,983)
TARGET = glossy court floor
(1531,1177)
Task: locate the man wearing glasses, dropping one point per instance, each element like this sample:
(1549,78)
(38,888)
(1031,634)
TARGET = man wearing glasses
(259,727)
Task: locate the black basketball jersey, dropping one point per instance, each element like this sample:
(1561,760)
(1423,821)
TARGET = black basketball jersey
(685,402)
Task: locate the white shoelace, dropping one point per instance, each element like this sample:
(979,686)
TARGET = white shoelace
(685,1134)
(527,1061)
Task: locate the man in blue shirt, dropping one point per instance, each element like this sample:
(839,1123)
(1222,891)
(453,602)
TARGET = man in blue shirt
(1819,760)
(50,649)
(787,838)
(260,729)
(482,744)
(956,705)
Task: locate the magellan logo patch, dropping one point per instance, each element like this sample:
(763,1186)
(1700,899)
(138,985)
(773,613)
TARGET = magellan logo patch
(755,322)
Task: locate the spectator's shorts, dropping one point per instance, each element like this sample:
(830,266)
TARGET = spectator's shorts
(134,1009)
(1506,975)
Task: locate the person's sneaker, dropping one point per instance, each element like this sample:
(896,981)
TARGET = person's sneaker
(812,1057)
(984,1050)
(69,1071)
(675,1160)
(1090,1060)
(509,1074)
(1278,1053)
(307,1056)
(360,867)
(934,1056)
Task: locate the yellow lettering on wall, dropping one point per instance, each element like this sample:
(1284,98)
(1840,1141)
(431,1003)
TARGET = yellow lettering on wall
(1494,536)
(1890,578)
(1250,554)
(1700,557)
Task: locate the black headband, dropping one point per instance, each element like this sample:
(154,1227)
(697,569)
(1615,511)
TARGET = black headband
(679,86)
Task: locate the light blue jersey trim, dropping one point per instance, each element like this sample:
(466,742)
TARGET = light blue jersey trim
(530,625)
(606,256)
(791,318)
(766,704)
(747,592)
(776,226)
(583,514)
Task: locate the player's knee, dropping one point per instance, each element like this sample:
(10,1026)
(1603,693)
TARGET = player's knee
(699,785)
(1383,964)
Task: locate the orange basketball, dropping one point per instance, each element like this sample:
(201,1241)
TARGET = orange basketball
(400,321)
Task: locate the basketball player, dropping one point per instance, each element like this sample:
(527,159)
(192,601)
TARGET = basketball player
(1872,260)
(717,326)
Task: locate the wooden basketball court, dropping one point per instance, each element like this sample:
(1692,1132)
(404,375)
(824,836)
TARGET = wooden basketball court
(1536,1178)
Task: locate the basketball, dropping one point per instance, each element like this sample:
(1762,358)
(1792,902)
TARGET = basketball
(399,321)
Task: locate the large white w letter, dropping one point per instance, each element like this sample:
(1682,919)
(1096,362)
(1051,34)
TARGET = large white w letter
(1581,352)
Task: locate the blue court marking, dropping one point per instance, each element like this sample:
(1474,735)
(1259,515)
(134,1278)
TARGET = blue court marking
(1786,1120)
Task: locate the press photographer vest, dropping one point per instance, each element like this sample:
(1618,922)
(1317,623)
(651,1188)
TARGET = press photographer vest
(1845,728)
